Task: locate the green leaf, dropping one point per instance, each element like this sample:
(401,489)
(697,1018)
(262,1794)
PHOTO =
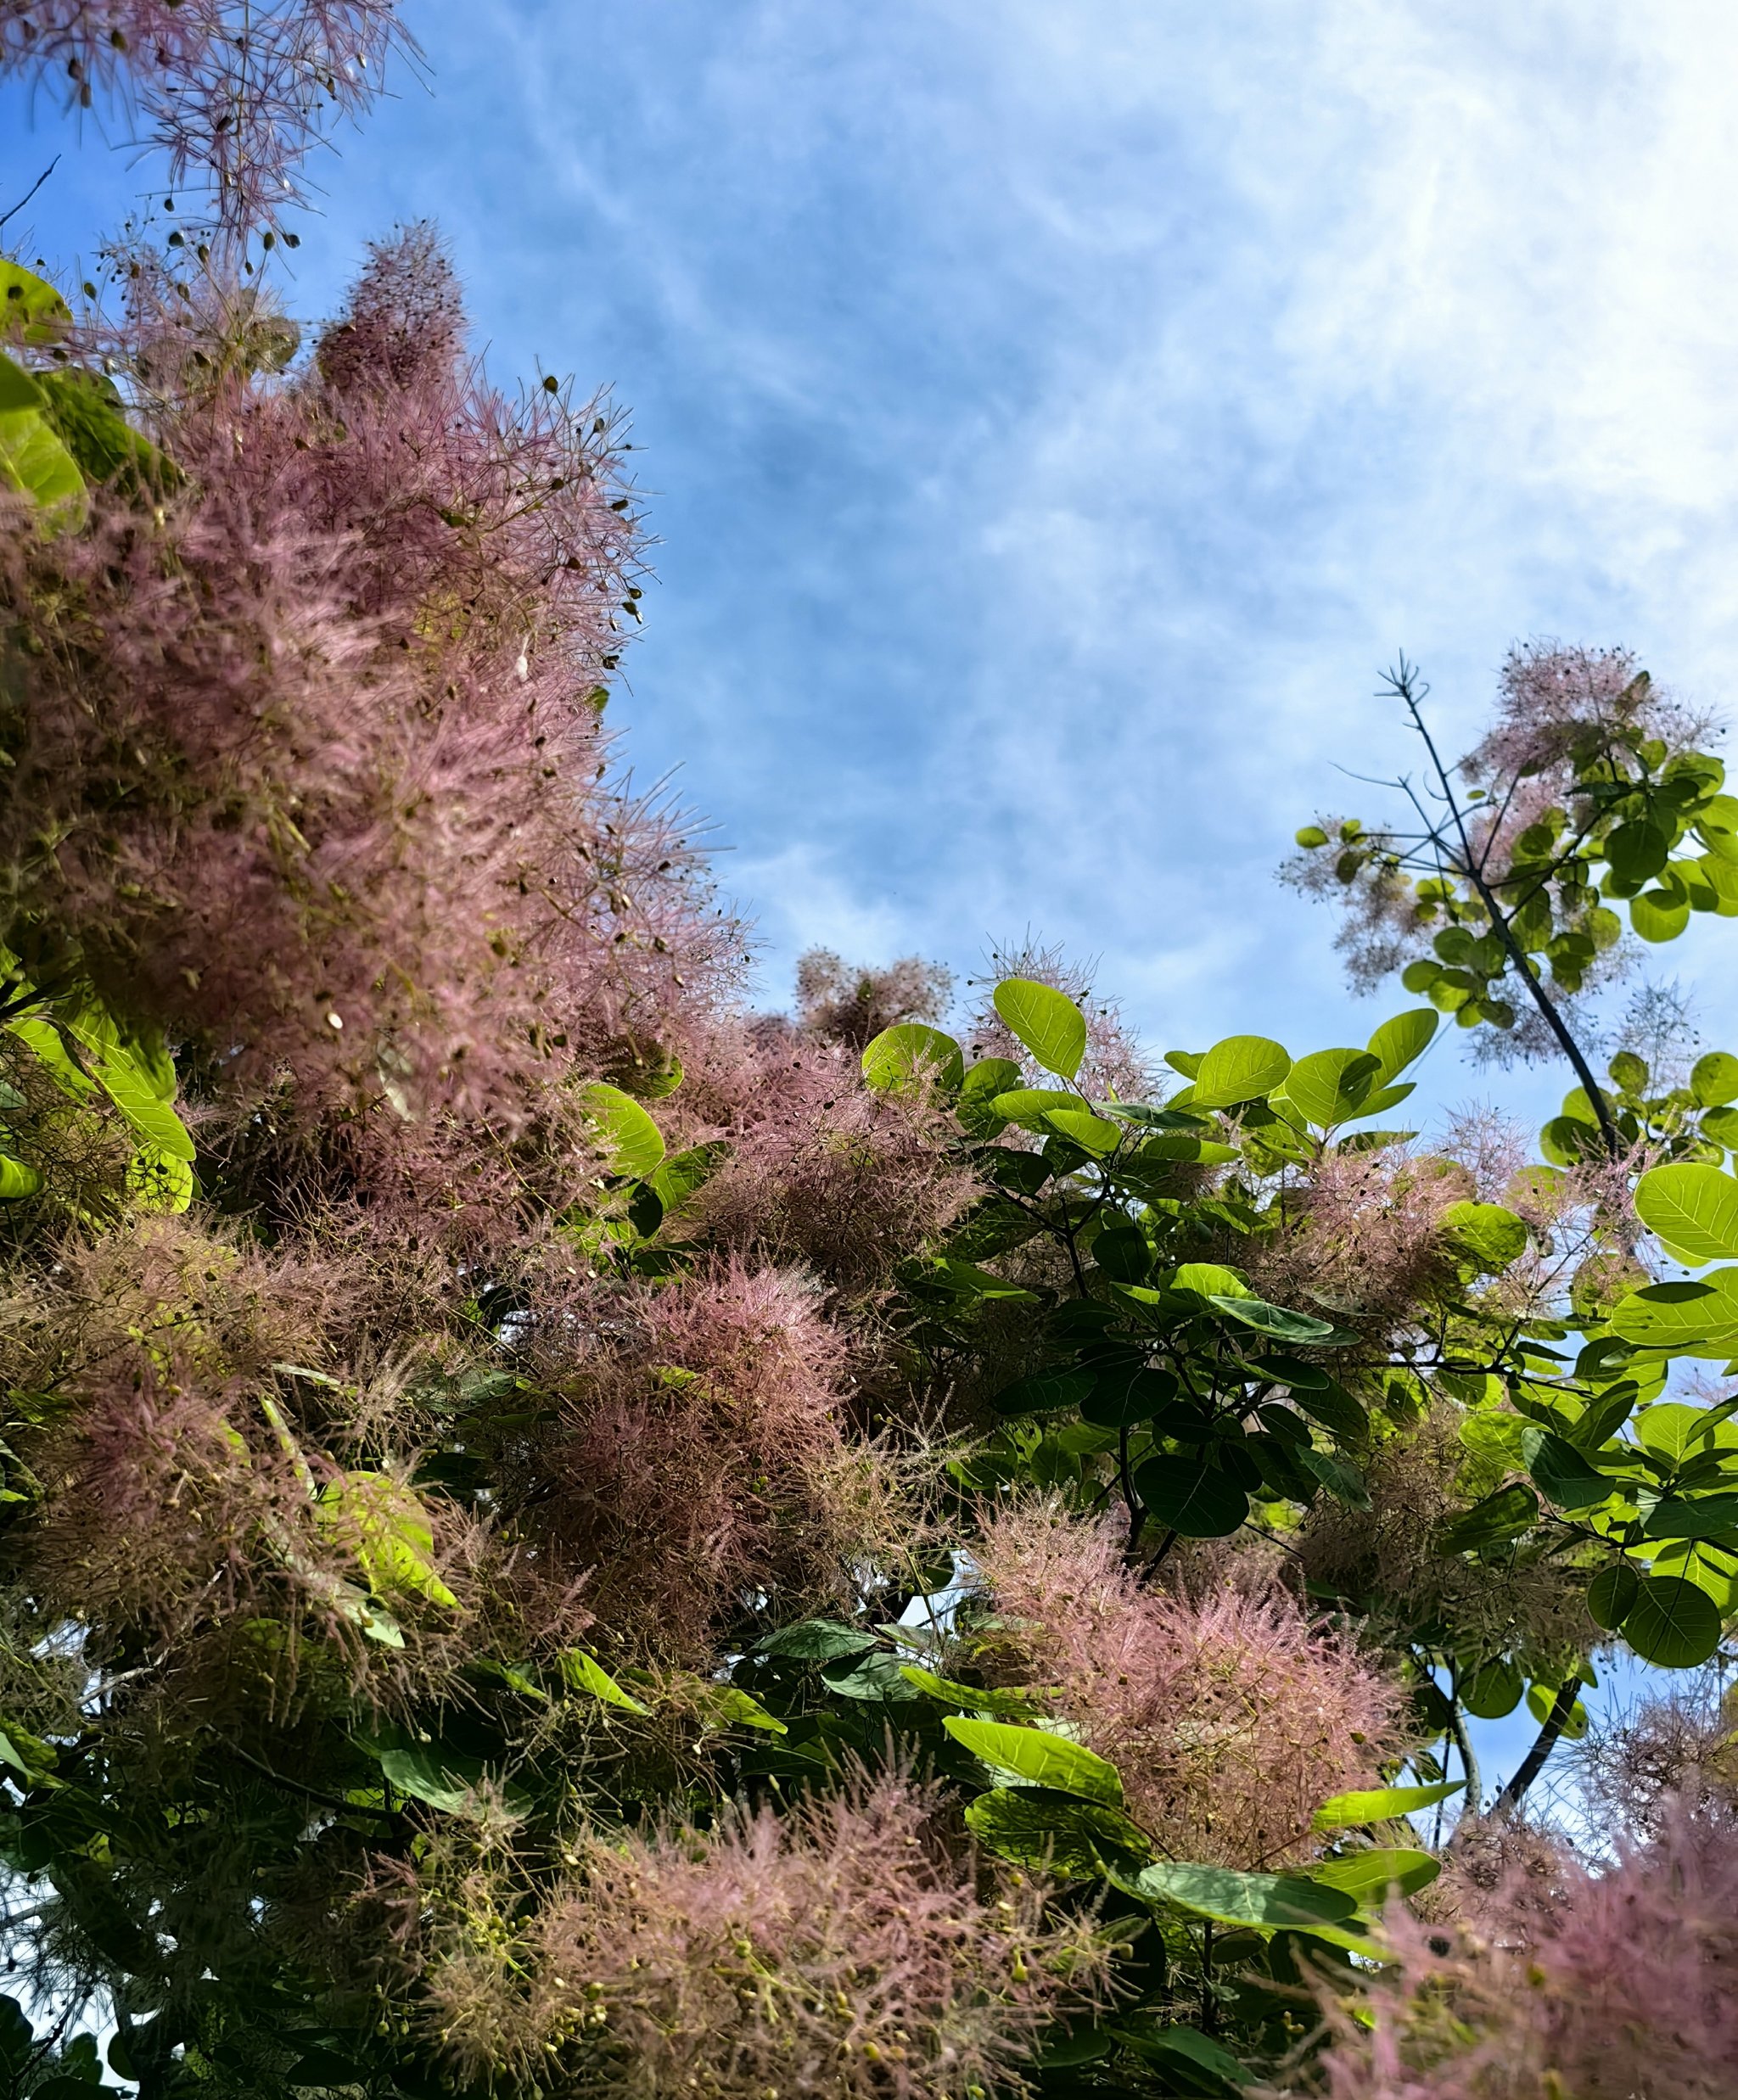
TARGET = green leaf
(983,1081)
(1677,1517)
(633,1141)
(1241,1068)
(687,1173)
(1689,1318)
(1344,1482)
(1638,851)
(1269,1902)
(1368,1876)
(384,1524)
(902,1058)
(1495,1236)
(1192,1497)
(30,309)
(816,1640)
(739,1709)
(32,459)
(1030,1106)
(975,1698)
(1403,1040)
(430,1772)
(1381,1804)
(1694,1208)
(1335,1409)
(1659,915)
(1563,1475)
(1118,1400)
(84,409)
(17,1179)
(1039,1758)
(1198,2051)
(1210,1279)
(1672,1622)
(585,1673)
(1092,1134)
(1329,1087)
(1053,1835)
(1302,1329)
(1493,1692)
(1713,1079)
(1611,1593)
(1043,1392)
(1499,1518)
(1047,1023)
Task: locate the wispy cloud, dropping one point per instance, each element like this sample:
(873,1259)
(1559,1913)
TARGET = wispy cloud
(1059,411)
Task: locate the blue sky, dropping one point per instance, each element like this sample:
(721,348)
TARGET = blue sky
(1057,412)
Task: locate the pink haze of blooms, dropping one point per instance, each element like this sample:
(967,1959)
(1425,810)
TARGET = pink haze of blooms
(1622,1986)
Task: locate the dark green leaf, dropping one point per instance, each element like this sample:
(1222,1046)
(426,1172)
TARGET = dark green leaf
(1610,1595)
(816,1640)
(1500,1517)
(1055,1834)
(1563,1475)
(1672,1622)
(1190,1497)
(1043,1392)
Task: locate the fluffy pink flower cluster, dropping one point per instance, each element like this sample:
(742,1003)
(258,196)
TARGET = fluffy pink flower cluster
(834,1951)
(311,772)
(701,1456)
(1231,1717)
(1623,1987)
(234,90)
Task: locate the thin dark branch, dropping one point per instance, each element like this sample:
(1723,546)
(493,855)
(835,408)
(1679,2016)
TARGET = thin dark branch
(1403,683)
(1563,1708)
(30,192)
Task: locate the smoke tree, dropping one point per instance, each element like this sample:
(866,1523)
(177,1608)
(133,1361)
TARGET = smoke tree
(563,1536)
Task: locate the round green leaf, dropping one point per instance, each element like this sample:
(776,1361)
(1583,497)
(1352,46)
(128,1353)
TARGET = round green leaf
(1563,1475)
(1188,1496)
(1123,1253)
(1241,1068)
(1638,851)
(1692,1318)
(1403,1040)
(1039,1758)
(1610,1595)
(1277,1321)
(633,1140)
(1658,915)
(1367,1876)
(1494,1235)
(1044,1392)
(1694,1209)
(1120,1400)
(1270,1901)
(1540,1700)
(1492,1691)
(1049,1023)
(1713,1079)
(1673,1623)
(899,1058)
(1329,1087)
(1065,1838)
(30,309)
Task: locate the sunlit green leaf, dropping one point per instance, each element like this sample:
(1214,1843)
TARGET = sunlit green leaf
(1041,1758)
(1045,1020)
